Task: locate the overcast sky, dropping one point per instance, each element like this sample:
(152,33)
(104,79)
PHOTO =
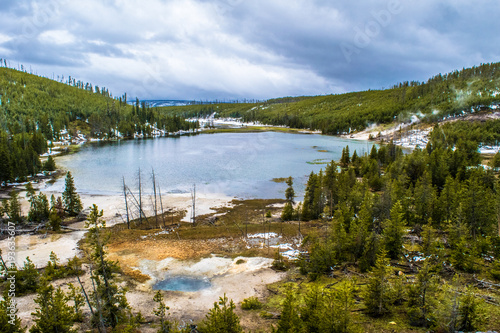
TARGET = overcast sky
(216,49)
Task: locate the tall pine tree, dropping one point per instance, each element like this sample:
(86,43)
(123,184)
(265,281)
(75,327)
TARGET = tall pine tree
(71,199)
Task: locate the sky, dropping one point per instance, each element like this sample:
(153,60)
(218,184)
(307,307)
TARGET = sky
(253,49)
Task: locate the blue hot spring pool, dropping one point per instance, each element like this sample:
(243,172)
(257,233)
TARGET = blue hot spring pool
(182,283)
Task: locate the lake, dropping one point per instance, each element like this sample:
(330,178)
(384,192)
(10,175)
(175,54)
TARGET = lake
(240,165)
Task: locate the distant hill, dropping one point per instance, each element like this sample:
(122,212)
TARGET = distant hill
(441,96)
(29,102)
(35,109)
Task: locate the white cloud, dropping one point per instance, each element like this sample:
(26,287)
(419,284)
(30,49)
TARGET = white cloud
(58,37)
(4,38)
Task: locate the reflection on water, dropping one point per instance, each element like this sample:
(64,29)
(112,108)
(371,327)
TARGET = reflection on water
(234,164)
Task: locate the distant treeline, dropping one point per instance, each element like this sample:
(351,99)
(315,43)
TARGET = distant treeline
(440,96)
(486,132)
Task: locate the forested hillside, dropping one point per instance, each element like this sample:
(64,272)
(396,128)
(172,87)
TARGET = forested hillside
(35,109)
(440,96)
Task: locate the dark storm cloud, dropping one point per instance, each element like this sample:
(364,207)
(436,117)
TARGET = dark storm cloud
(368,44)
(207,49)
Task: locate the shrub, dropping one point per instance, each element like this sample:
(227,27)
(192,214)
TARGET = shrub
(280,263)
(221,318)
(251,303)
(266,315)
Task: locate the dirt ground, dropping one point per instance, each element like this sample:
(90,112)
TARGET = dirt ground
(236,281)
(238,278)
(149,256)
(152,258)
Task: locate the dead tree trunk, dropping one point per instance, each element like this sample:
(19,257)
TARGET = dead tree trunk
(140,198)
(126,203)
(161,207)
(193,197)
(141,212)
(155,203)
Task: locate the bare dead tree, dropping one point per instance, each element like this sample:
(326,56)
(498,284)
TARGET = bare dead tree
(193,198)
(161,206)
(101,326)
(140,197)
(155,204)
(126,202)
(87,299)
(138,205)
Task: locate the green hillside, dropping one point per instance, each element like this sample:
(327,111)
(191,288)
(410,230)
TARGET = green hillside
(28,102)
(35,109)
(440,96)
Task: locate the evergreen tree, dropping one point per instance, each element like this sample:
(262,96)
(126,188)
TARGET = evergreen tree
(39,205)
(421,297)
(54,220)
(336,316)
(110,304)
(13,208)
(446,311)
(330,183)
(290,193)
(221,318)
(57,206)
(308,208)
(318,202)
(360,227)
(372,248)
(345,159)
(328,310)
(425,199)
(50,164)
(9,321)
(5,157)
(429,241)
(495,162)
(355,157)
(470,311)
(438,167)
(72,203)
(479,213)
(287,213)
(339,236)
(373,153)
(394,231)
(30,191)
(290,321)
(53,314)
(449,198)
(310,313)
(161,312)
(27,278)
(463,253)
(377,295)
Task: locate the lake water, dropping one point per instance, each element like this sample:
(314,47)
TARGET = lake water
(235,164)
